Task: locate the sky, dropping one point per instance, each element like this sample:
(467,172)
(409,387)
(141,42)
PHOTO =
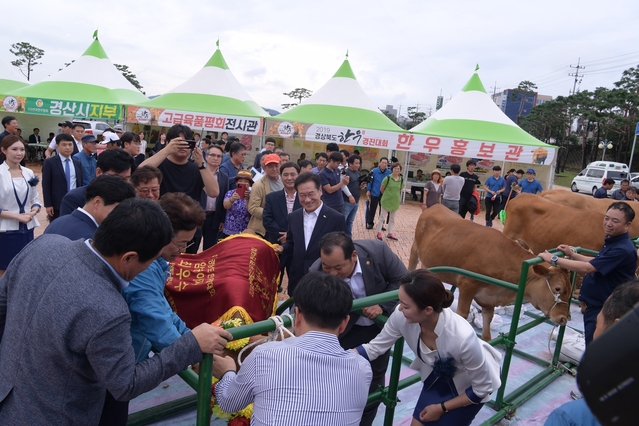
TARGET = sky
(402,52)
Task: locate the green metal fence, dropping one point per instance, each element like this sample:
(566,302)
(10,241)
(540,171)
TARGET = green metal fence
(503,404)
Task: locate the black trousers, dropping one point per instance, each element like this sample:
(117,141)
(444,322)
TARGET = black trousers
(359,335)
(463,206)
(492,205)
(114,413)
(372,210)
(210,230)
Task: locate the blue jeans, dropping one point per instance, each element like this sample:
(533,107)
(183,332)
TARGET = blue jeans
(350,211)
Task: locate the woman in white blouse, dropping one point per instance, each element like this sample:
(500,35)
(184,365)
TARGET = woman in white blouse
(459,370)
(19,201)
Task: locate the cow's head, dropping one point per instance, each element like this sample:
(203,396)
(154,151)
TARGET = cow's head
(548,289)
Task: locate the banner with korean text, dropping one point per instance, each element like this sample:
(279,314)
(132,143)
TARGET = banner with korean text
(408,142)
(62,108)
(196,120)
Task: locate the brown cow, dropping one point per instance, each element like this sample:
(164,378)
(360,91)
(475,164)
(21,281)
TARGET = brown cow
(443,238)
(584,202)
(543,224)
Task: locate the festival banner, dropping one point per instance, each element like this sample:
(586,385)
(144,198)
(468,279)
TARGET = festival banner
(62,108)
(196,120)
(239,273)
(408,142)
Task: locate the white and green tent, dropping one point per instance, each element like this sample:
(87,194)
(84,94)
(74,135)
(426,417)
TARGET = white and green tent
(89,88)
(472,125)
(341,112)
(212,100)
(10,78)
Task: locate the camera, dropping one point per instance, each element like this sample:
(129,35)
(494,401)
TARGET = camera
(191,143)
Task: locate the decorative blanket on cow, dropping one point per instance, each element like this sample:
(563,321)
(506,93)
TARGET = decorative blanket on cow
(239,274)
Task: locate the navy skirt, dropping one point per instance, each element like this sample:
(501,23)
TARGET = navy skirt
(11,242)
(442,389)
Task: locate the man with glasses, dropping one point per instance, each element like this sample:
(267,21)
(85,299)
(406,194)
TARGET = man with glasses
(114,162)
(146,181)
(235,163)
(131,144)
(181,175)
(306,226)
(214,206)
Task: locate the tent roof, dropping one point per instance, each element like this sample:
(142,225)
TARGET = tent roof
(10,78)
(91,78)
(341,102)
(472,114)
(214,89)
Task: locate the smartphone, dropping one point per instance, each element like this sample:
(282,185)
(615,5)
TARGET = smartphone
(241,190)
(191,143)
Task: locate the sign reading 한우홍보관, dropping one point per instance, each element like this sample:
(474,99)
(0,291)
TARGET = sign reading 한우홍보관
(412,143)
(197,120)
(62,108)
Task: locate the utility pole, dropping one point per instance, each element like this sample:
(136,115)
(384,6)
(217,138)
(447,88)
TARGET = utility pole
(576,75)
(495,89)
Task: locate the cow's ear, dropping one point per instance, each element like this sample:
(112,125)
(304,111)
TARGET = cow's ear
(540,269)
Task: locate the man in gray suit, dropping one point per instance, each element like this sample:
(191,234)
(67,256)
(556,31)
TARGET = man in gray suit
(65,328)
(369,267)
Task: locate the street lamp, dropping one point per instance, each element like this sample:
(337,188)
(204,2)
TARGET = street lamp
(603,145)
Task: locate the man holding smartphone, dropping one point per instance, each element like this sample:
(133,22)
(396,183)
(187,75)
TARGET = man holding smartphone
(181,175)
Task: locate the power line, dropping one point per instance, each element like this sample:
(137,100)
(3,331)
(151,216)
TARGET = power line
(611,57)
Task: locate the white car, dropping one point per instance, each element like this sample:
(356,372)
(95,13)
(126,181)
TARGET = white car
(592,177)
(94,128)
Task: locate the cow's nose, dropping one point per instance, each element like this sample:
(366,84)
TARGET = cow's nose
(562,320)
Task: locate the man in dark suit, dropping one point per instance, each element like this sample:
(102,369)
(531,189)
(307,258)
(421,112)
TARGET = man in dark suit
(33,139)
(60,174)
(110,162)
(103,194)
(369,267)
(280,204)
(306,226)
(214,207)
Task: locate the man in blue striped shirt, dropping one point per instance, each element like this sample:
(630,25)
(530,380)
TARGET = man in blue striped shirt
(303,380)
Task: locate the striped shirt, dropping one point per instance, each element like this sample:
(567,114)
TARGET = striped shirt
(306,380)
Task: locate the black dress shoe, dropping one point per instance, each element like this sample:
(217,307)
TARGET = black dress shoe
(383,228)
(369,226)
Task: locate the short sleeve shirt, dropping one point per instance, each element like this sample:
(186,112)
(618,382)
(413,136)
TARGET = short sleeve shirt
(181,178)
(495,184)
(331,177)
(530,187)
(616,263)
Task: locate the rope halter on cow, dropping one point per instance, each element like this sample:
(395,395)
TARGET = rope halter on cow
(556,296)
(279,331)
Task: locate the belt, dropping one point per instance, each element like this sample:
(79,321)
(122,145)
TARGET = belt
(588,305)
(210,212)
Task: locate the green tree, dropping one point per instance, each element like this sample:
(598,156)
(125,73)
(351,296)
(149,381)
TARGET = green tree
(133,79)
(66,65)
(390,116)
(524,88)
(415,116)
(297,94)
(28,57)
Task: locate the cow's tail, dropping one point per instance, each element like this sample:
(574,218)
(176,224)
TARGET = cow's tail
(414,255)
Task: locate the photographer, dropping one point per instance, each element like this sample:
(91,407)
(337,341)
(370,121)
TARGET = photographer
(181,175)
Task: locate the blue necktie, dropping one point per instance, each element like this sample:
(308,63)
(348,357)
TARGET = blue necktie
(67,173)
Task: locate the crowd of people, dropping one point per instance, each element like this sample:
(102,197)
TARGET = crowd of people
(95,299)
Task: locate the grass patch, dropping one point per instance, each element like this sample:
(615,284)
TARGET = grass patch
(565,178)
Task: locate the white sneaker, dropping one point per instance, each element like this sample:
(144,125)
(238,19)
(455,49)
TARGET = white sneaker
(568,333)
(572,349)
(495,324)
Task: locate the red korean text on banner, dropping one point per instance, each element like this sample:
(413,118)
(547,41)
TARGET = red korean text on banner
(167,118)
(513,153)
(459,148)
(486,150)
(404,141)
(432,144)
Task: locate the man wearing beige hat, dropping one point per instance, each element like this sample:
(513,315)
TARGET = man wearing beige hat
(271,182)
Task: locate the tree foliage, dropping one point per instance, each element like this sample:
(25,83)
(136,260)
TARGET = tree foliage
(582,120)
(133,79)
(415,116)
(390,116)
(523,90)
(297,94)
(28,56)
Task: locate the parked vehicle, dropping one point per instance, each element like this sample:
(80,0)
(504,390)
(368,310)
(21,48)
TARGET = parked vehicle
(592,177)
(94,128)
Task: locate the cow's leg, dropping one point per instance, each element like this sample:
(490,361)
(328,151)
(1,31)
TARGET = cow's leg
(487,314)
(465,298)
(414,256)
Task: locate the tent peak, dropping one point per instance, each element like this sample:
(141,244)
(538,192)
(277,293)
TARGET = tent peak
(217,60)
(345,70)
(474,84)
(96,49)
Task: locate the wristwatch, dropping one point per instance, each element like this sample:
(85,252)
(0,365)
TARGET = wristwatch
(553,260)
(203,166)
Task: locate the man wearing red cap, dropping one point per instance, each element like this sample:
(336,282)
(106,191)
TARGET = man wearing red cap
(271,182)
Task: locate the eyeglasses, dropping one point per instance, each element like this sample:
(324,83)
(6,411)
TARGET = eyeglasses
(147,191)
(183,247)
(214,155)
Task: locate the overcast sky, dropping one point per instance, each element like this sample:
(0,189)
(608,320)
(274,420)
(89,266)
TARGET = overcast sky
(402,52)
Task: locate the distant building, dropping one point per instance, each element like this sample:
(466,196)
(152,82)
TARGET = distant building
(391,110)
(522,105)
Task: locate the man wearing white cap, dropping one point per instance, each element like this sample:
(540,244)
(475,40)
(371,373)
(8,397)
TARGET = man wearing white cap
(530,185)
(67,127)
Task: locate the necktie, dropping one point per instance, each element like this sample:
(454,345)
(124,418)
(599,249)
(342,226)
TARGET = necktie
(67,173)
